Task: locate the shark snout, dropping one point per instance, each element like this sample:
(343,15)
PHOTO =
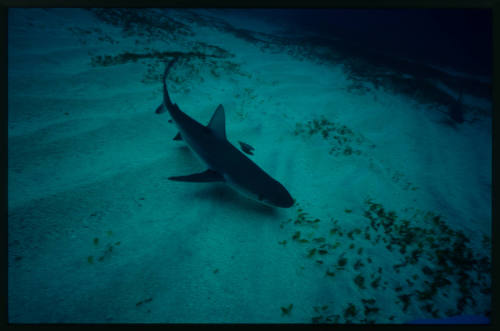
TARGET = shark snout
(282,198)
(287,201)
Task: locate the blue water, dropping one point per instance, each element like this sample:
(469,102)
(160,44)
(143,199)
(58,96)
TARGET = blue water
(378,123)
(459,38)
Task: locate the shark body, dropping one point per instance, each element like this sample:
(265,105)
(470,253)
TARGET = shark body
(225,162)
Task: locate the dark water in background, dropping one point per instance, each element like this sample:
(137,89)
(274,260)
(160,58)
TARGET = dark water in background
(456,38)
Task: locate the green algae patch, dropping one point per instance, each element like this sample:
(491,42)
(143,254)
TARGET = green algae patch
(423,247)
(126,57)
(106,251)
(286,310)
(447,256)
(359,280)
(341,138)
(350,311)
(141,302)
(342,261)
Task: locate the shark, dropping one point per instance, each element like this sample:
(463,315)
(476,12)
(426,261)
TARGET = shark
(225,163)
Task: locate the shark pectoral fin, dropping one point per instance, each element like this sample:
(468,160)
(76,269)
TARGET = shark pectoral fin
(178,136)
(160,109)
(205,176)
(246,148)
(218,123)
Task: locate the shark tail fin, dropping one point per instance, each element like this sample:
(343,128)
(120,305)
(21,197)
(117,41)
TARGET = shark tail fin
(166,98)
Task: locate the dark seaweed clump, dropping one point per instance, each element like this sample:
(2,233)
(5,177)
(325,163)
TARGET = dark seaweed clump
(439,259)
(341,137)
(126,57)
(447,258)
(367,69)
(146,23)
(213,59)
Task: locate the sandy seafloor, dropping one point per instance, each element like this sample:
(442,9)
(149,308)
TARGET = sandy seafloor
(393,215)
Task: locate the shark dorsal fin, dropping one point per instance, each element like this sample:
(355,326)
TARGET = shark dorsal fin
(218,123)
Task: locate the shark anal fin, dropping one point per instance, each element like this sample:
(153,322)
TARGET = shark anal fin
(178,136)
(202,177)
(161,109)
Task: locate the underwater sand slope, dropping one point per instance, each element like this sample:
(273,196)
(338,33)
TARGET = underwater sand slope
(98,234)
